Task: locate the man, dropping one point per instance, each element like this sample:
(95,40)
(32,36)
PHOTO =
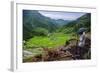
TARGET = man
(81,39)
(81,43)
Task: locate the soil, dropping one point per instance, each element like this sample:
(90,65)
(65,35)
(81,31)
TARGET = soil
(70,51)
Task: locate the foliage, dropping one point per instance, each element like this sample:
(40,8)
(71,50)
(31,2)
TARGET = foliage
(55,40)
(83,21)
(42,32)
(32,20)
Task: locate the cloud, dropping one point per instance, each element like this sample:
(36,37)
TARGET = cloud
(62,15)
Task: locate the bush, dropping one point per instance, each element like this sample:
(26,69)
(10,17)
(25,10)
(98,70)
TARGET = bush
(40,31)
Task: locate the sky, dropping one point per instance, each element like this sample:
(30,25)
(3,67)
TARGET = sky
(62,15)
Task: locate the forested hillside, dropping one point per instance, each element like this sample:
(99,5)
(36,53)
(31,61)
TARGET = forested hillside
(36,24)
(83,21)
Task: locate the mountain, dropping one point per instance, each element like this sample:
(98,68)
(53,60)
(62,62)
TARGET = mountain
(35,19)
(62,22)
(85,21)
(32,20)
(35,24)
(73,26)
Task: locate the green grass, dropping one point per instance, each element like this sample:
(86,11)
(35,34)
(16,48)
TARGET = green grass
(36,44)
(54,40)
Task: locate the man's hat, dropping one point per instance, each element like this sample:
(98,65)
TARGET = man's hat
(81,30)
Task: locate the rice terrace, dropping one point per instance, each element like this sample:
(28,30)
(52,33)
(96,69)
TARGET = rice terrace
(56,36)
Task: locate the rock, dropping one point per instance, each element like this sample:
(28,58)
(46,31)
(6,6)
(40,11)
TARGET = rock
(27,53)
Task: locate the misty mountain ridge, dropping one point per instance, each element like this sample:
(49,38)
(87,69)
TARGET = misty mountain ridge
(32,20)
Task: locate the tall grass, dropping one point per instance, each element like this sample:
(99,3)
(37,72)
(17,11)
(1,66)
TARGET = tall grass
(54,40)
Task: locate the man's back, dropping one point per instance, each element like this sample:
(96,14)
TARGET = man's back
(82,40)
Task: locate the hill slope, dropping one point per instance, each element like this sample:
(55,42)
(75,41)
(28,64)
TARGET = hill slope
(32,20)
(83,21)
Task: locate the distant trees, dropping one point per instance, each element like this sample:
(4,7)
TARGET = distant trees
(35,24)
(83,21)
(40,31)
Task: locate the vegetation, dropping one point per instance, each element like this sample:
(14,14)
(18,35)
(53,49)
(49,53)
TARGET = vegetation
(54,40)
(41,32)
